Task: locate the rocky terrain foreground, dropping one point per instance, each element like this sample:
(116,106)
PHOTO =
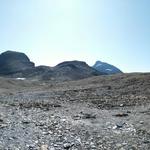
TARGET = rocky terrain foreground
(97,113)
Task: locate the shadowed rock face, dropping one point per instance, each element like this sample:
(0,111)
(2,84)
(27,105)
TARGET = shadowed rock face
(106,68)
(12,62)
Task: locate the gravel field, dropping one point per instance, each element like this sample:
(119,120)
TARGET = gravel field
(98,113)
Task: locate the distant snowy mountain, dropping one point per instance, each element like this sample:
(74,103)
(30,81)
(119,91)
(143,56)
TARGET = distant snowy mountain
(106,68)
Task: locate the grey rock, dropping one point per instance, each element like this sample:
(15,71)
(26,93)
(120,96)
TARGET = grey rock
(68,145)
(44,147)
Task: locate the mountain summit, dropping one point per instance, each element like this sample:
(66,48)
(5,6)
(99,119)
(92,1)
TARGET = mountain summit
(12,62)
(106,68)
(75,70)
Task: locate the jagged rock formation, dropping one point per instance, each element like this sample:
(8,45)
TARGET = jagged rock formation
(13,62)
(106,68)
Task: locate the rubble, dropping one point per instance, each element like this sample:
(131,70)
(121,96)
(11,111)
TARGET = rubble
(38,116)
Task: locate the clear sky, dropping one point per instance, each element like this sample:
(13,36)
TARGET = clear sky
(52,31)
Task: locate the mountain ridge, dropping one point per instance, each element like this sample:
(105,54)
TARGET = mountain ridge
(18,64)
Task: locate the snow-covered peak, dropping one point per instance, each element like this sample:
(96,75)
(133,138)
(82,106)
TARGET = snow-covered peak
(106,68)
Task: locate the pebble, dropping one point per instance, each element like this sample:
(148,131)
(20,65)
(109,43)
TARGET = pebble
(36,142)
(141,122)
(44,147)
(30,147)
(67,145)
(124,144)
(51,148)
(120,125)
(3,125)
(50,132)
(122,148)
(134,147)
(121,115)
(118,145)
(1,120)
(93,146)
(146,142)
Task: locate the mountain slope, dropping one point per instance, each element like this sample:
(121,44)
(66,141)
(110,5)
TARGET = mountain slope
(72,70)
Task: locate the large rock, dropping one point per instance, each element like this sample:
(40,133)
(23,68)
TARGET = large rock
(106,68)
(13,62)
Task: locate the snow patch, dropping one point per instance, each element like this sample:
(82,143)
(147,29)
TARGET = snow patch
(108,69)
(99,65)
(20,78)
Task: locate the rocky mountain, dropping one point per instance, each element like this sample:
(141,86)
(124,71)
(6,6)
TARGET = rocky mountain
(106,68)
(18,65)
(71,70)
(13,62)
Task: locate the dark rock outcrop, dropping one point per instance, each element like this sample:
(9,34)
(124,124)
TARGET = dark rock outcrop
(106,68)
(12,62)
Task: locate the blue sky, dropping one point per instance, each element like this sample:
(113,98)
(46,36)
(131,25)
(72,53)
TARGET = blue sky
(52,31)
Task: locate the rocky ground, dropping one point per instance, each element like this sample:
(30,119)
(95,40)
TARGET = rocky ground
(98,113)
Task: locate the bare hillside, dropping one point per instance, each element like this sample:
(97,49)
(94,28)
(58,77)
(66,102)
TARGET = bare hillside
(97,113)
